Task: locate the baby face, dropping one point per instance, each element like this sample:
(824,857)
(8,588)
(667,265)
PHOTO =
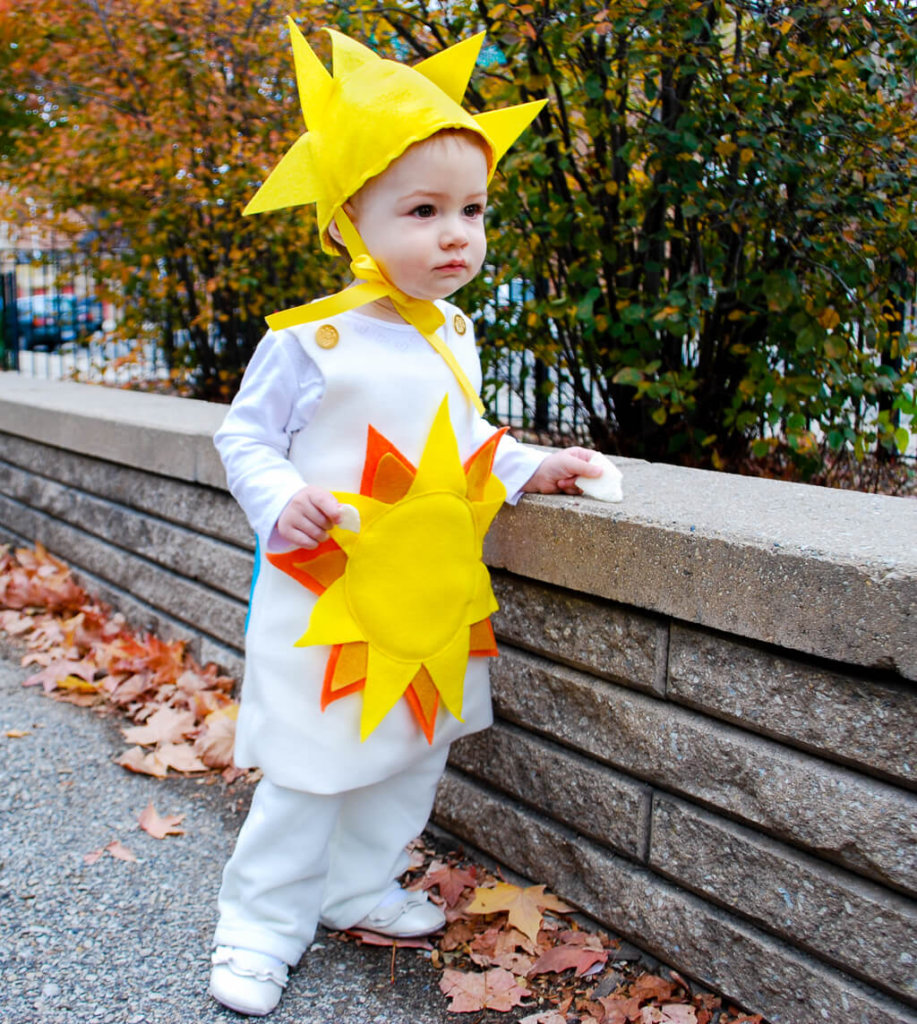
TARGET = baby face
(422,218)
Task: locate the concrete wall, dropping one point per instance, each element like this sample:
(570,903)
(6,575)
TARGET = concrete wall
(705,702)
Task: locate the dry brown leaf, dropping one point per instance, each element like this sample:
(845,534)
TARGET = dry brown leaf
(179,756)
(215,743)
(52,676)
(165,725)
(160,826)
(562,958)
(368,938)
(524,906)
(651,986)
(551,1017)
(118,850)
(670,1013)
(450,880)
(620,1009)
(138,760)
(492,990)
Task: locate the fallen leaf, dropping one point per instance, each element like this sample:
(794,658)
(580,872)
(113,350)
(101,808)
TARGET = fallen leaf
(451,882)
(17,734)
(524,906)
(158,826)
(180,756)
(492,990)
(215,743)
(620,1009)
(651,986)
(138,760)
(671,1013)
(118,850)
(562,958)
(49,678)
(551,1017)
(165,725)
(368,938)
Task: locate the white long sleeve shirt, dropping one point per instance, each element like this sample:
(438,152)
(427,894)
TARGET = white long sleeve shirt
(280,392)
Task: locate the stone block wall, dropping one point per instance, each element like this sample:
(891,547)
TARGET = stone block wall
(705,700)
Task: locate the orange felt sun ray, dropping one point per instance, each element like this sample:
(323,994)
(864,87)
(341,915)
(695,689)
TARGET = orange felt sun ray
(316,568)
(423,700)
(482,642)
(393,479)
(342,672)
(479,464)
(377,447)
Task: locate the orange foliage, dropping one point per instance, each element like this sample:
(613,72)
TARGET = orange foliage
(155,122)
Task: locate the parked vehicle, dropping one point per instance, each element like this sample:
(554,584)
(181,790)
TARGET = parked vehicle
(47,321)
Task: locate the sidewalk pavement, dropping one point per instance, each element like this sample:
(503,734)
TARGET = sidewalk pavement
(116,942)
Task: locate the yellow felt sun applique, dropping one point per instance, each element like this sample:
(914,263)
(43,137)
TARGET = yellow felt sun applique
(405,601)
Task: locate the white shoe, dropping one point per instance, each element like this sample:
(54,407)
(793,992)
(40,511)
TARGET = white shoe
(246,981)
(403,915)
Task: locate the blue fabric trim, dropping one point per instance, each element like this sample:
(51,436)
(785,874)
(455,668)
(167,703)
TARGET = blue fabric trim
(255,571)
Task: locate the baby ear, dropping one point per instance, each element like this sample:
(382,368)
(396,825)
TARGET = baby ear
(334,231)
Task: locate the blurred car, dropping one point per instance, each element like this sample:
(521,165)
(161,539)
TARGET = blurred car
(47,321)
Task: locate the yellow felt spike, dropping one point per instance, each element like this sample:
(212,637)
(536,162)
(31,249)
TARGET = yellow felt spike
(331,621)
(483,604)
(347,55)
(351,665)
(451,69)
(447,670)
(291,183)
(312,80)
(386,681)
(504,126)
(485,512)
(440,466)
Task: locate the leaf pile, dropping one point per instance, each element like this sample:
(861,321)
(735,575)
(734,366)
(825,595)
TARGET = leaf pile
(183,714)
(507,947)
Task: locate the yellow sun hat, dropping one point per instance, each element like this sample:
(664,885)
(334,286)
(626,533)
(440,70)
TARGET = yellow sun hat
(367,114)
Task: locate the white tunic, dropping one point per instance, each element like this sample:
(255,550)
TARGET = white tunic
(302,416)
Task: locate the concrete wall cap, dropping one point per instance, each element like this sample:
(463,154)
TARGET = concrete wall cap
(160,433)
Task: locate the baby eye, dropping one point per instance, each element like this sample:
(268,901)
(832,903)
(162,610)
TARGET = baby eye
(424,210)
(473,210)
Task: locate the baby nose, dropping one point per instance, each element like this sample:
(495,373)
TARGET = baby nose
(453,234)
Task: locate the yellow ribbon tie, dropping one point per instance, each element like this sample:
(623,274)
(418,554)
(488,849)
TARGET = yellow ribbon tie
(373,284)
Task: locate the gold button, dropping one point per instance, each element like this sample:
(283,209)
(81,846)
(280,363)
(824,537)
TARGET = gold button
(327,336)
(459,324)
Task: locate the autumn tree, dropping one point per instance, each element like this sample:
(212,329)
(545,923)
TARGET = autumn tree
(158,122)
(713,219)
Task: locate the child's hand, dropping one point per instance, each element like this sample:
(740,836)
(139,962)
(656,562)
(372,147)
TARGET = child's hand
(558,472)
(308,516)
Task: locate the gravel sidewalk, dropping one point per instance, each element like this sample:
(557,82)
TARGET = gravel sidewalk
(127,943)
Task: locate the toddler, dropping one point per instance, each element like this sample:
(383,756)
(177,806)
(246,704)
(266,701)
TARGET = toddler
(357,449)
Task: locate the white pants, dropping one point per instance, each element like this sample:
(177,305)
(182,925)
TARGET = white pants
(301,856)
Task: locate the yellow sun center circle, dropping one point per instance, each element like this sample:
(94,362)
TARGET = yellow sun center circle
(410,576)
